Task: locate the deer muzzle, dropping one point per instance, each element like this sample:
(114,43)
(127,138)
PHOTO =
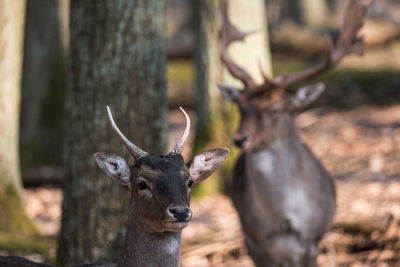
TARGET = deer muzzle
(179,214)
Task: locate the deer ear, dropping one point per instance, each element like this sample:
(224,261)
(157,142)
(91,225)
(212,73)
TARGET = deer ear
(229,92)
(115,167)
(307,95)
(204,164)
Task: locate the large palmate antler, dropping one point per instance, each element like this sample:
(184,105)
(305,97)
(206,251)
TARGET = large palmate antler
(348,43)
(229,33)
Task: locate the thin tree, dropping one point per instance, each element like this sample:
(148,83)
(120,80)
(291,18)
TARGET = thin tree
(216,118)
(314,13)
(42,49)
(43,83)
(117,58)
(12,214)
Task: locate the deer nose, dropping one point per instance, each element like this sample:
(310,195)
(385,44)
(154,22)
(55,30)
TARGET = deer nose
(239,140)
(180,214)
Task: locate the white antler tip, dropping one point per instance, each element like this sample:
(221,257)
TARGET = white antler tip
(184,112)
(110,117)
(178,148)
(187,120)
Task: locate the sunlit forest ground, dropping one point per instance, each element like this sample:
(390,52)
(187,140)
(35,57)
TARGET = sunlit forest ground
(354,129)
(360,148)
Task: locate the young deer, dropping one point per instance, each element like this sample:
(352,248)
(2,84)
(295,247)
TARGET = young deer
(160,187)
(284,196)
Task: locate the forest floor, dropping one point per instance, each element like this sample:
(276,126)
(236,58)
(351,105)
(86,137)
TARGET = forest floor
(359,147)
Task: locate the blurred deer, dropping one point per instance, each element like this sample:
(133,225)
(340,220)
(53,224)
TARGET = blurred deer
(160,187)
(284,196)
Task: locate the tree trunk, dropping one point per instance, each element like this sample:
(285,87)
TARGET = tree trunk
(117,58)
(42,46)
(217,119)
(43,84)
(208,68)
(12,214)
(314,13)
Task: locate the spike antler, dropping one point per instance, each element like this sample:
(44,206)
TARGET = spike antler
(135,151)
(348,43)
(178,148)
(229,33)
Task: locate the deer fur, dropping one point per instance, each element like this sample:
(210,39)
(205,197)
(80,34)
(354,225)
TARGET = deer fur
(160,188)
(285,198)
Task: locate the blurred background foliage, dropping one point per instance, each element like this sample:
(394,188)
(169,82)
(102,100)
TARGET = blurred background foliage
(294,45)
(295,41)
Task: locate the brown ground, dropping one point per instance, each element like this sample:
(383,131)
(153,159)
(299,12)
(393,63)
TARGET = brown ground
(360,148)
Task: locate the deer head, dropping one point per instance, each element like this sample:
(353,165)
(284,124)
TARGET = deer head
(160,185)
(267,108)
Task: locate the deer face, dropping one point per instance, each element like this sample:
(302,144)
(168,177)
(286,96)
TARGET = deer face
(161,190)
(265,108)
(161,185)
(265,112)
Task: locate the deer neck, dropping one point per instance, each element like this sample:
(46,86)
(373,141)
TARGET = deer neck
(149,249)
(285,136)
(282,153)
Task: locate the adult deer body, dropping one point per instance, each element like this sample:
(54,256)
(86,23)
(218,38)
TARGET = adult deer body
(284,196)
(160,188)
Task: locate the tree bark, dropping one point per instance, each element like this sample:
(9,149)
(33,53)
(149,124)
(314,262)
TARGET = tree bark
(314,13)
(217,119)
(42,47)
(43,83)
(12,214)
(117,58)
(208,67)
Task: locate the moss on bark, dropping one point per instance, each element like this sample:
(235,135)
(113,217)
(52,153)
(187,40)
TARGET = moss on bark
(17,242)
(13,213)
(117,58)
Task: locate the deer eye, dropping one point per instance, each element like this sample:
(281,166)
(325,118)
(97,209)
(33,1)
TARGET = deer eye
(190,183)
(142,185)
